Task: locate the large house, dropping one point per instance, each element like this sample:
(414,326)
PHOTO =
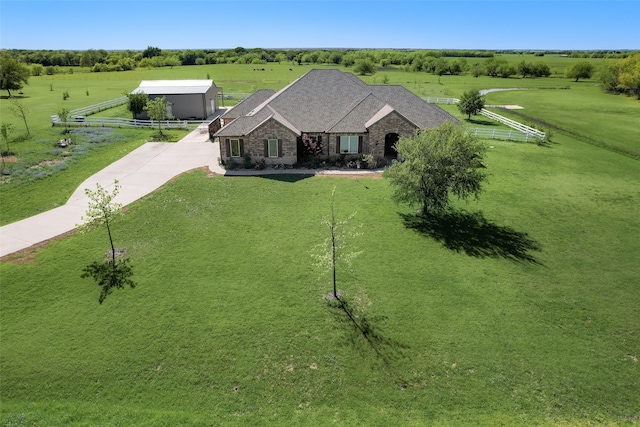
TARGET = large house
(329,108)
(190,99)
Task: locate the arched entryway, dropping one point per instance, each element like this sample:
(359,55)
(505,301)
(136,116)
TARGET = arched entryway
(389,142)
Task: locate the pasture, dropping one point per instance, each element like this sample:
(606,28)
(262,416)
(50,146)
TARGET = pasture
(517,309)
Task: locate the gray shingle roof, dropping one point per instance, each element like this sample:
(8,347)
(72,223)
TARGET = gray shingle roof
(411,106)
(354,120)
(330,100)
(245,106)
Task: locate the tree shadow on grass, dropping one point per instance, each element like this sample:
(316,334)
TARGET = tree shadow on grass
(292,178)
(481,122)
(473,234)
(366,333)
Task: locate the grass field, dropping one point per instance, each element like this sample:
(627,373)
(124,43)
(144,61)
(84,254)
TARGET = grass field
(534,322)
(610,121)
(519,309)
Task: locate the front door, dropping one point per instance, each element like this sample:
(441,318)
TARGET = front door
(389,144)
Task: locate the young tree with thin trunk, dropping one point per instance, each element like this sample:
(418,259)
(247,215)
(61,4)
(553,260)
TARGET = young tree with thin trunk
(5,131)
(334,253)
(63,114)
(157,110)
(103,211)
(20,110)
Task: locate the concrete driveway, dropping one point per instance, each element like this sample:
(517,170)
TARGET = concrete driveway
(139,173)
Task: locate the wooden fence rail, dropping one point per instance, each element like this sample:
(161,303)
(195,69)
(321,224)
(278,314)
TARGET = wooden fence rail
(509,135)
(85,111)
(531,133)
(120,122)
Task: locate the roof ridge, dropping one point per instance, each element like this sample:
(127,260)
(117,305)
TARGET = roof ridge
(275,95)
(364,98)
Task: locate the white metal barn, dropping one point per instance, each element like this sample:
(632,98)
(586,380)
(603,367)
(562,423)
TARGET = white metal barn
(190,99)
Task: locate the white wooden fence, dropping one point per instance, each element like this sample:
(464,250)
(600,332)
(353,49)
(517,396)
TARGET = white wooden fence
(431,100)
(119,122)
(531,133)
(92,109)
(509,135)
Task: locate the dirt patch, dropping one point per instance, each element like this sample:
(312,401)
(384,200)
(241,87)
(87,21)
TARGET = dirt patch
(329,296)
(9,159)
(28,255)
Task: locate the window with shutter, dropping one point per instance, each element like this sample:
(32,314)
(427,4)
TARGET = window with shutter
(273,148)
(349,143)
(234,147)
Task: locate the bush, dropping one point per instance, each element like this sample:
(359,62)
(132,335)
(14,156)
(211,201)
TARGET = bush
(231,164)
(246,161)
(260,165)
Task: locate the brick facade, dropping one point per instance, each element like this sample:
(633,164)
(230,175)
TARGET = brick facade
(253,144)
(371,143)
(392,123)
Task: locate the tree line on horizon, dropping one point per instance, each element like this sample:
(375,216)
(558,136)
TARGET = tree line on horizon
(122,60)
(619,76)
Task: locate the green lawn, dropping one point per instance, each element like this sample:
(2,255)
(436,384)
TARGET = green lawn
(582,110)
(525,312)
(519,309)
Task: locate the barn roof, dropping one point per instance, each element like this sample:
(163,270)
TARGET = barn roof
(174,87)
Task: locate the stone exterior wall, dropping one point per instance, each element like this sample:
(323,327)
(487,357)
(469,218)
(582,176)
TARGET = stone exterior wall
(334,143)
(392,123)
(253,144)
(372,142)
(271,129)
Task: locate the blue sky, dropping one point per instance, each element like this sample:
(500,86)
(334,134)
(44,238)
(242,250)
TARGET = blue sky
(201,24)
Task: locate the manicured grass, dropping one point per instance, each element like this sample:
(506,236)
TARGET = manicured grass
(534,323)
(584,111)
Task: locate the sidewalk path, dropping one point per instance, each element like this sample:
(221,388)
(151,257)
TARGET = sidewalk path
(139,173)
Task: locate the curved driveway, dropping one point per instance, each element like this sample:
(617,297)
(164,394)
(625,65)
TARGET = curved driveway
(139,173)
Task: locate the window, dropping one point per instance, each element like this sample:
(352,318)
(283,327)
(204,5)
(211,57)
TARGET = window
(234,145)
(349,144)
(273,148)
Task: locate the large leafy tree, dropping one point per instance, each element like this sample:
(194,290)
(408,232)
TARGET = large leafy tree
(437,163)
(136,103)
(580,70)
(471,102)
(13,74)
(364,67)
